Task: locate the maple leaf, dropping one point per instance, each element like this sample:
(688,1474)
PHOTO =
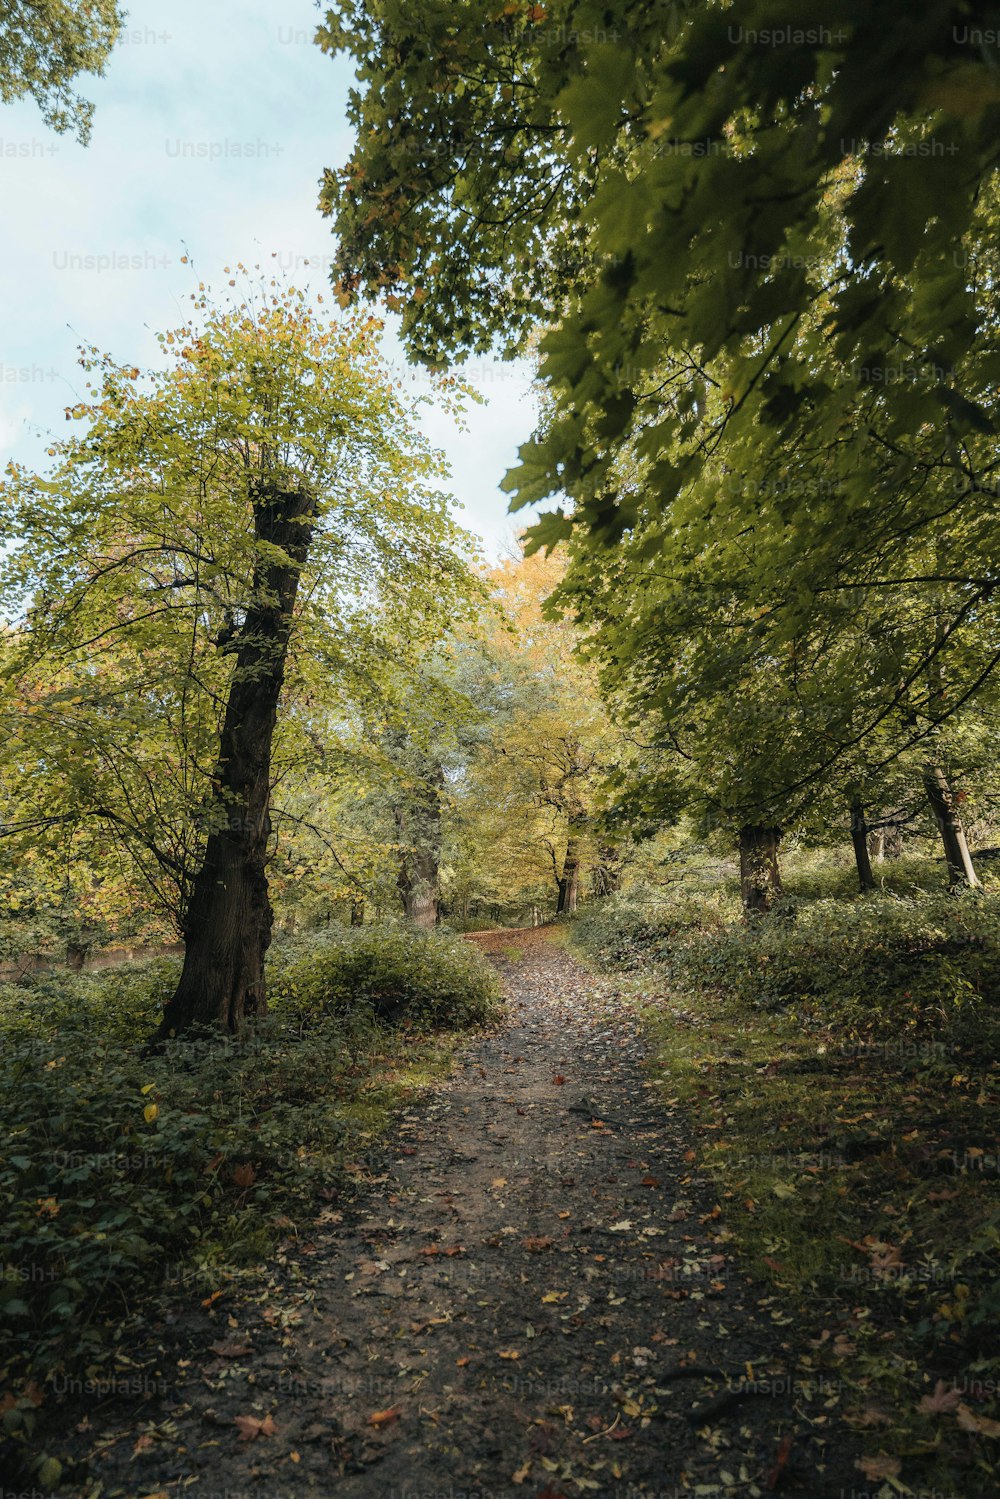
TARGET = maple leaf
(943,1399)
(244,1176)
(252,1427)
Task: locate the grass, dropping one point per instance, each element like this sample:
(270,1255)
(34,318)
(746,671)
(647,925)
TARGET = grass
(851,1128)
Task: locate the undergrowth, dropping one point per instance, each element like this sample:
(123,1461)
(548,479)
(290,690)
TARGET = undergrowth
(124,1175)
(841,1059)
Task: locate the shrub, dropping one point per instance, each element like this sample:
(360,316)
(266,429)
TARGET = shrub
(426,980)
(872,963)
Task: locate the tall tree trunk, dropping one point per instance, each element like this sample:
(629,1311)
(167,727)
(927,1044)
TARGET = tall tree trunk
(227,927)
(419,827)
(358,911)
(961,870)
(569,880)
(760,876)
(859,837)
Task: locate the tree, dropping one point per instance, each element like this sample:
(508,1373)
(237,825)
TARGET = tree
(266,491)
(693,191)
(45,45)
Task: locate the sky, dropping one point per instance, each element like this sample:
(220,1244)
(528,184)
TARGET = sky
(213,124)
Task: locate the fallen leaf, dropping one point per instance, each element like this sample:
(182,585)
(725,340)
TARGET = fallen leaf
(943,1399)
(535,1245)
(230,1350)
(252,1427)
(508,1353)
(781,1458)
(386,1417)
(244,1176)
(880,1466)
(981,1425)
(522,1472)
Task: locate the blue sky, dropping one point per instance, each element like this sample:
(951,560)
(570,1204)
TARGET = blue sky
(213,124)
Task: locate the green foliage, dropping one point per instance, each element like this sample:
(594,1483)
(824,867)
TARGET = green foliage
(45,44)
(128,618)
(422,980)
(121,1171)
(882,964)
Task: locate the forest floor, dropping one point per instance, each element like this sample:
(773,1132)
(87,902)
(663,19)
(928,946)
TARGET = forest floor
(533,1293)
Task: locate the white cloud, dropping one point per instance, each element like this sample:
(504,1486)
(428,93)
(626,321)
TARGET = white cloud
(211,132)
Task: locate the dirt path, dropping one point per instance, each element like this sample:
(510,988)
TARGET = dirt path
(516,1305)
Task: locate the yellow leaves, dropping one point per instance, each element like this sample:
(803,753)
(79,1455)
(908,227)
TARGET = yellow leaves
(552,1298)
(508,1353)
(150,1112)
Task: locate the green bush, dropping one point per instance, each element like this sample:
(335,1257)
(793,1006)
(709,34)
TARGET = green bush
(426,980)
(645,926)
(875,963)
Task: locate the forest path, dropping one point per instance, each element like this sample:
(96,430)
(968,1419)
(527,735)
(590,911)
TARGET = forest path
(519,1303)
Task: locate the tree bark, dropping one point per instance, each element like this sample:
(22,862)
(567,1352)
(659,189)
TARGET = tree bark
(944,805)
(419,828)
(607,876)
(892,840)
(227,926)
(569,880)
(358,911)
(760,876)
(859,837)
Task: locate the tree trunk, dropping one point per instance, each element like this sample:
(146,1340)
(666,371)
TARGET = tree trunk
(419,828)
(227,926)
(607,876)
(892,840)
(760,877)
(961,870)
(859,837)
(358,911)
(569,880)
(76,956)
